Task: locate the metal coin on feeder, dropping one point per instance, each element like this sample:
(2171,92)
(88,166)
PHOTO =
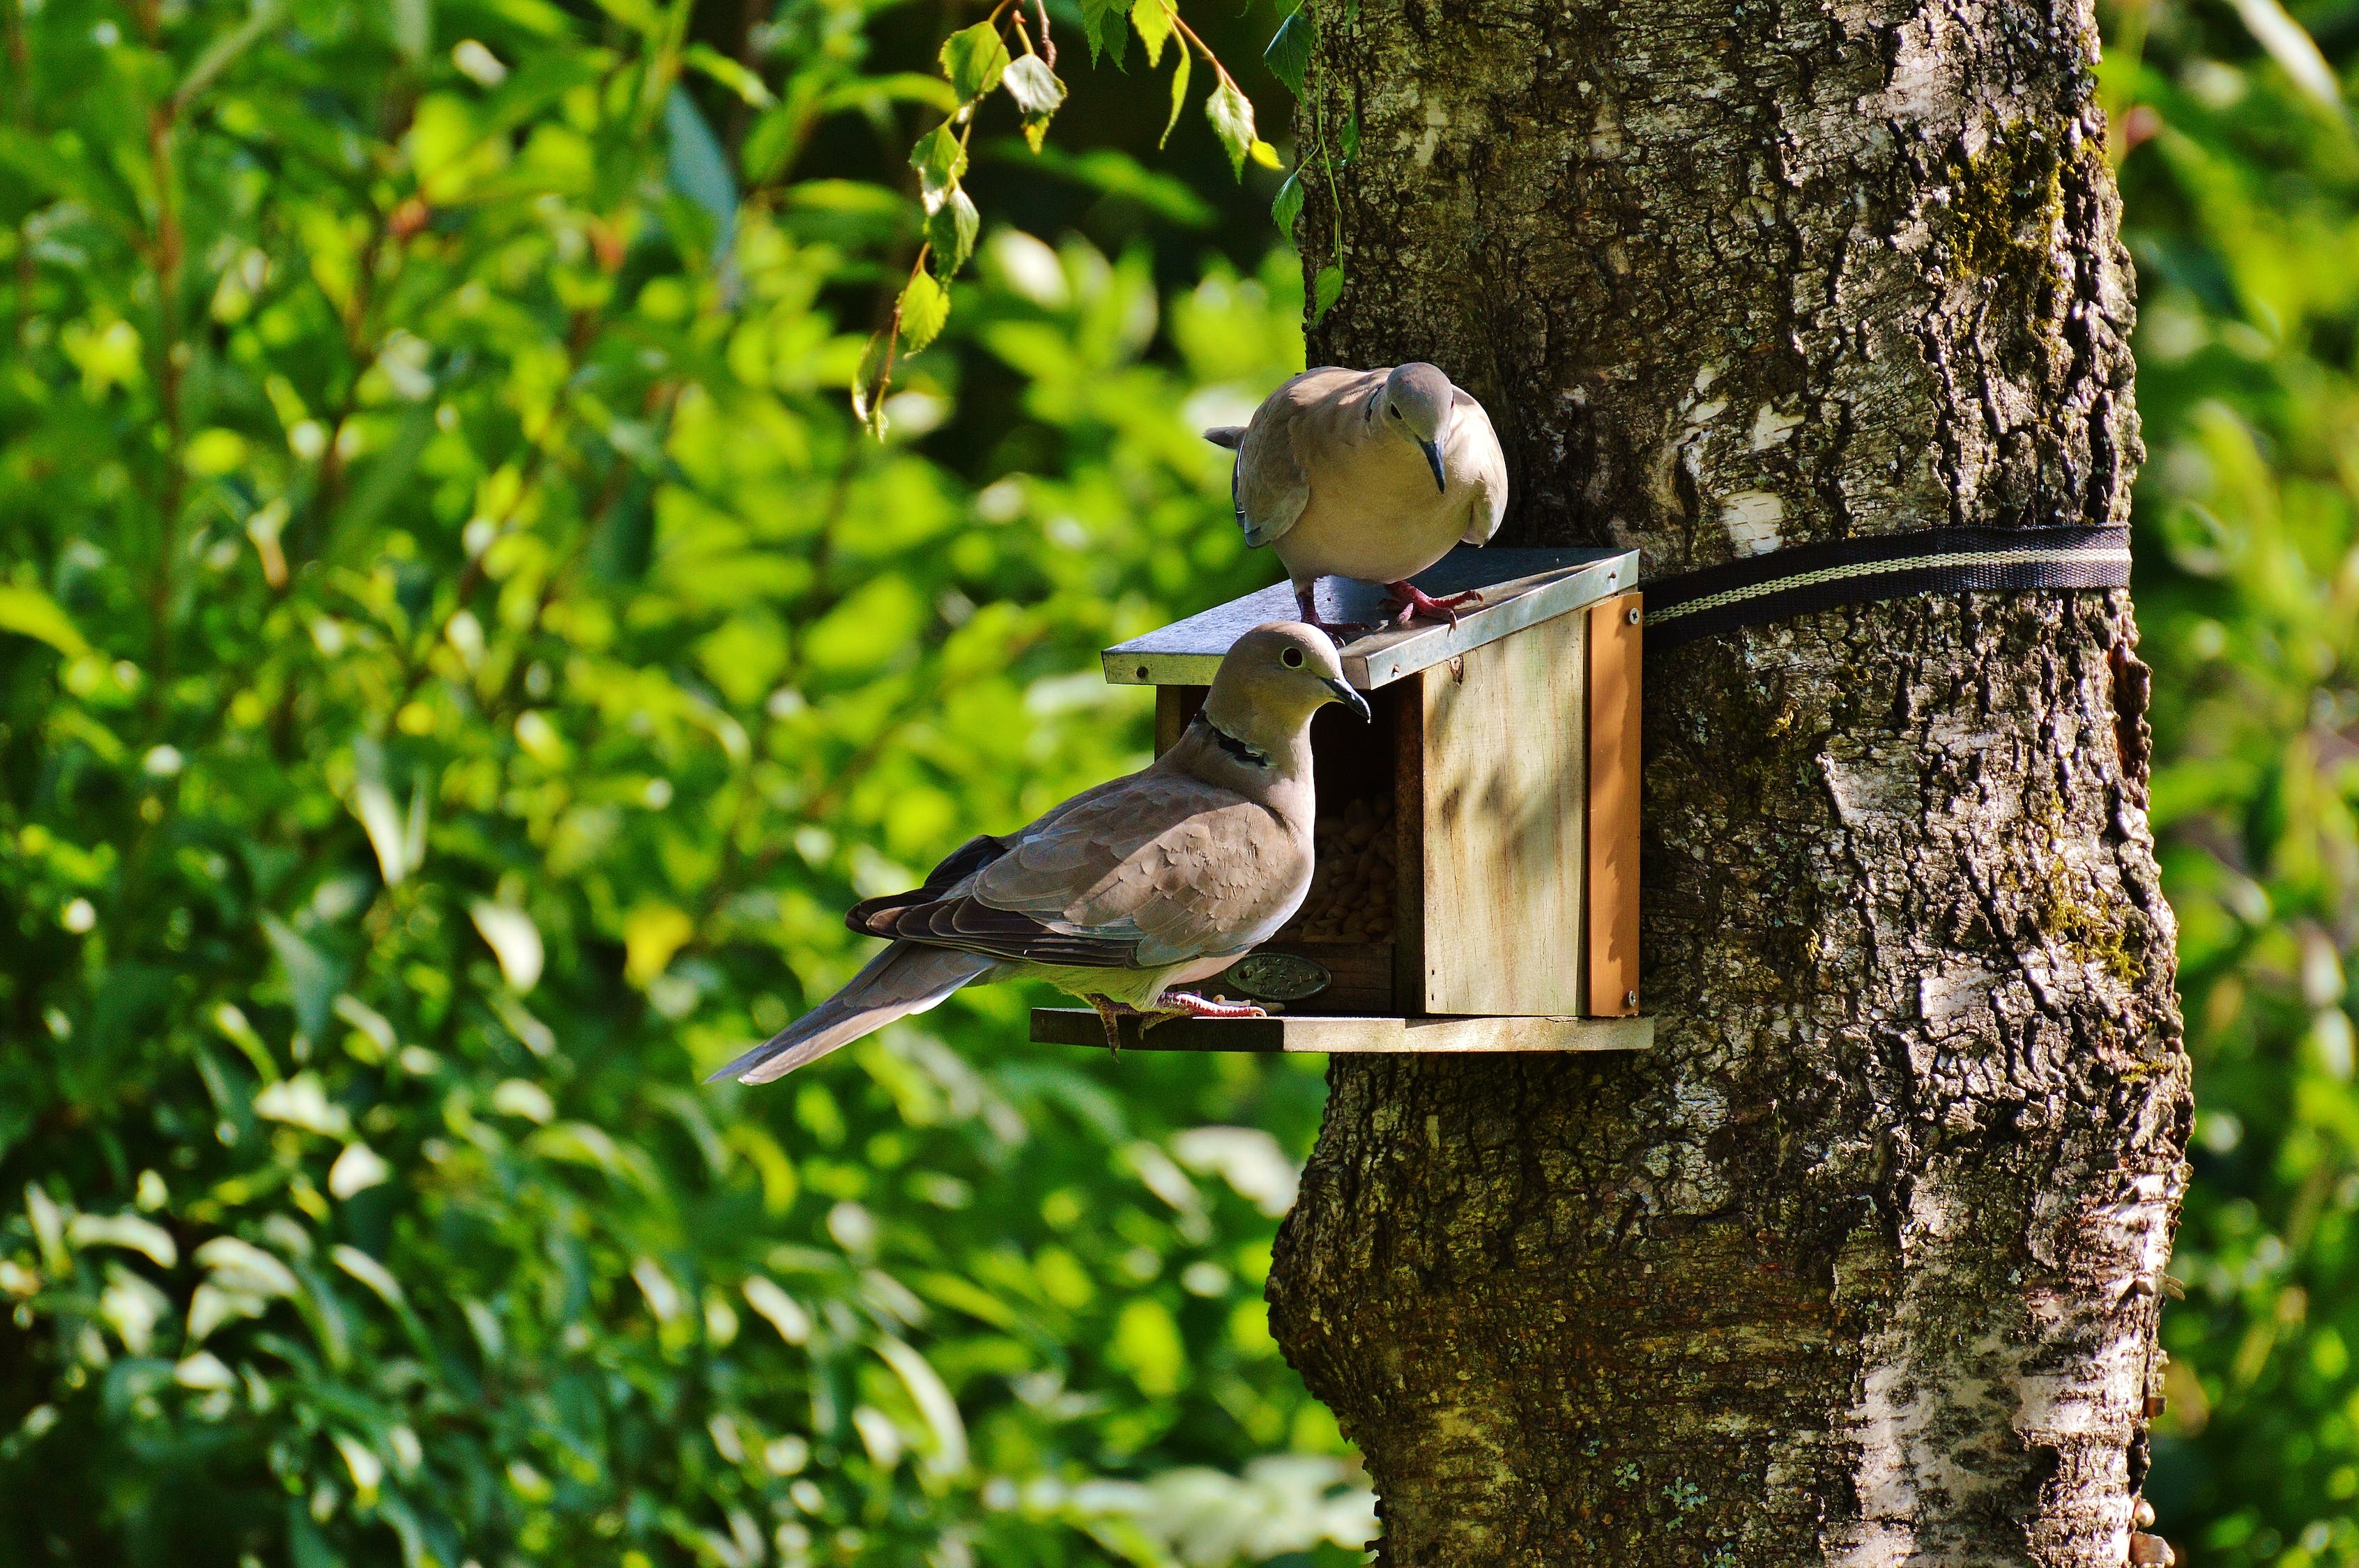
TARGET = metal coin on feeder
(1277,977)
(1475,881)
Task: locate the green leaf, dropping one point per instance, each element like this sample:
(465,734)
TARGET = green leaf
(869,383)
(1179,97)
(1034,87)
(1233,121)
(1350,137)
(514,940)
(951,229)
(29,612)
(1288,205)
(413,28)
(1108,24)
(925,308)
(1325,289)
(748,86)
(1156,22)
(1038,92)
(974,59)
(311,976)
(938,159)
(1288,54)
(699,169)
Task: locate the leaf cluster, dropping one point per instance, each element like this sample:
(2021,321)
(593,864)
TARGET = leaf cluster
(458,656)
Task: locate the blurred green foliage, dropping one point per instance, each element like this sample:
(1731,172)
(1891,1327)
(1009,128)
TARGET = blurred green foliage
(458,656)
(2240,174)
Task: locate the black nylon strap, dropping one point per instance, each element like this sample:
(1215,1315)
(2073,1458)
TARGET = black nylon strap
(1885,566)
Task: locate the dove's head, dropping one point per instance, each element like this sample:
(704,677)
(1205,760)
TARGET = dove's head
(1272,679)
(1417,404)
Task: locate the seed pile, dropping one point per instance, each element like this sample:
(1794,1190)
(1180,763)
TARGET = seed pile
(1352,885)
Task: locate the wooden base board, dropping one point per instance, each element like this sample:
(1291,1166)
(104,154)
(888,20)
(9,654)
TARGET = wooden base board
(1303,1033)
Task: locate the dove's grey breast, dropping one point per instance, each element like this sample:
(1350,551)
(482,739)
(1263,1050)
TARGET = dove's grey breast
(1324,482)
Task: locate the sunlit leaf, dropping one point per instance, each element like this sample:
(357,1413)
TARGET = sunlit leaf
(413,28)
(356,1170)
(29,612)
(926,308)
(940,158)
(513,938)
(126,1230)
(1037,91)
(1179,97)
(1233,121)
(1156,23)
(2290,45)
(932,1398)
(650,937)
(1035,88)
(974,59)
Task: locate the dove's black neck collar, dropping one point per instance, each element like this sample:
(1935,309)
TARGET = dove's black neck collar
(1232,745)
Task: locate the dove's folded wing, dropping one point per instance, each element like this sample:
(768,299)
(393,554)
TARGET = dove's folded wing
(957,866)
(1271,486)
(1268,488)
(1155,870)
(1490,463)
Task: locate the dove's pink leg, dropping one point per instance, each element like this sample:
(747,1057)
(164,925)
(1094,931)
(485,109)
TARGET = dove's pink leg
(1413,602)
(1197,1007)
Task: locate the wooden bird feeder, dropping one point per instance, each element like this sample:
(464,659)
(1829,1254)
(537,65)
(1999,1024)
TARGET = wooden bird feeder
(1477,874)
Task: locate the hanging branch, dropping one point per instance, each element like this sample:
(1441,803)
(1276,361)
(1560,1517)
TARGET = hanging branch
(978,60)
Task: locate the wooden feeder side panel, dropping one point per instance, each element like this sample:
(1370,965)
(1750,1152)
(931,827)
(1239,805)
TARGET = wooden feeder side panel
(1408,823)
(1174,709)
(1616,647)
(1505,749)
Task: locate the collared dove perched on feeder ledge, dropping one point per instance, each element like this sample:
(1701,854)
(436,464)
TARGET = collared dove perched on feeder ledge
(1368,474)
(1152,882)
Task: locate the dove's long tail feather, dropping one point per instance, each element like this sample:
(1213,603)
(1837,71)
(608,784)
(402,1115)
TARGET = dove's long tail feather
(902,979)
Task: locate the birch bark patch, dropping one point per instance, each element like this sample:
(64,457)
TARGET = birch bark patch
(1751,517)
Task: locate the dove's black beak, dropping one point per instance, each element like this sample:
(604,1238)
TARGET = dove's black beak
(1350,699)
(1433,457)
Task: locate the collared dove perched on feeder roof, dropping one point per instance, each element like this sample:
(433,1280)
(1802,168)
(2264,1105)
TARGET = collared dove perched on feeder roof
(1370,474)
(1159,880)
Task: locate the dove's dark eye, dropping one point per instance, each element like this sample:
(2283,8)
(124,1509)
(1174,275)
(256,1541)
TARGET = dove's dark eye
(1292,658)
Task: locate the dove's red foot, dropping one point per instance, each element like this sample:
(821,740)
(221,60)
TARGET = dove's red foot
(1412,602)
(1197,1007)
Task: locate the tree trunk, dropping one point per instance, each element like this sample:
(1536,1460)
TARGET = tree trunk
(1861,1264)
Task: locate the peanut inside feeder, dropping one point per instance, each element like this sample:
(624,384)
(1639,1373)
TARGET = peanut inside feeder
(1355,876)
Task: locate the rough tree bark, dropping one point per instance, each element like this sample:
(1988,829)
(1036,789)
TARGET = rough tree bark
(1861,1265)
